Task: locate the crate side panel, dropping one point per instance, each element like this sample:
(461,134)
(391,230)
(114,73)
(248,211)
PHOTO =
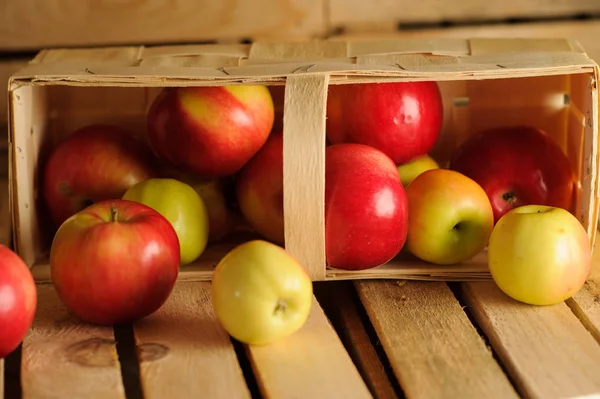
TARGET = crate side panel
(311,363)
(57,23)
(421,357)
(522,334)
(185,352)
(29,131)
(65,357)
(368,15)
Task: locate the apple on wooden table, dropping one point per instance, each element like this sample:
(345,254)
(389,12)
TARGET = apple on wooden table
(260,293)
(94,163)
(210,131)
(182,206)
(401,119)
(516,166)
(114,262)
(539,255)
(450,217)
(18,301)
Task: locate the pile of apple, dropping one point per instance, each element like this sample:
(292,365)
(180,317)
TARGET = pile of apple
(128,211)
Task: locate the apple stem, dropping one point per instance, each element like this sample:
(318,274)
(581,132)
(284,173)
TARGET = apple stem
(509,197)
(113,214)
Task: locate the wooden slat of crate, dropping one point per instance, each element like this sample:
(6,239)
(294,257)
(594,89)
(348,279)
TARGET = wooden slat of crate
(432,346)
(357,14)
(586,32)
(586,303)
(312,363)
(546,349)
(56,23)
(337,299)
(64,357)
(5,219)
(1,378)
(184,352)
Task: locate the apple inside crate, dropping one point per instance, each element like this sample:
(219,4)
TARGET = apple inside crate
(550,85)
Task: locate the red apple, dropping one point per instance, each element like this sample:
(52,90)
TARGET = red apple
(402,119)
(516,166)
(210,131)
(18,301)
(114,262)
(95,163)
(259,190)
(365,203)
(366,208)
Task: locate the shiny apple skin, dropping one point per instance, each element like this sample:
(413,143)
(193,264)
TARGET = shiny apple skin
(366,207)
(402,119)
(259,190)
(521,163)
(18,301)
(94,163)
(210,131)
(113,272)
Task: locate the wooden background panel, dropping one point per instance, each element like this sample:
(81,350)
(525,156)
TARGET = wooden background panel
(28,24)
(360,13)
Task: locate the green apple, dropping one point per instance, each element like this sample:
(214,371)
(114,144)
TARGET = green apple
(408,171)
(450,217)
(220,217)
(182,206)
(260,293)
(540,255)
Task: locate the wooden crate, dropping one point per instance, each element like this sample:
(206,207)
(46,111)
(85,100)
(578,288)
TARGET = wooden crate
(32,25)
(364,339)
(65,79)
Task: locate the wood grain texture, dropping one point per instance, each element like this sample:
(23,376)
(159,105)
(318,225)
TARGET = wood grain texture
(64,357)
(312,363)
(546,349)
(586,303)
(5,217)
(35,24)
(7,68)
(184,352)
(1,378)
(360,14)
(432,346)
(337,300)
(304,171)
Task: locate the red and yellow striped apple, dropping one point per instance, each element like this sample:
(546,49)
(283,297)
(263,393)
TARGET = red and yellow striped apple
(114,262)
(516,166)
(94,163)
(259,190)
(402,119)
(18,301)
(539,255)
(210,131)
(450,217)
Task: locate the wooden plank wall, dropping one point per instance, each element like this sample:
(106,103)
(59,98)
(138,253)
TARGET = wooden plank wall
(33,24)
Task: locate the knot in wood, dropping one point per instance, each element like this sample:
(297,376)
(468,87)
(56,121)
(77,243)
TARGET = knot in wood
(151,352)
(93,352)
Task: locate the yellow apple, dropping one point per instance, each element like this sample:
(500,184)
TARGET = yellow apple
(181,205)
(260,293)
(414,168)
(539,255)
(450,217)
